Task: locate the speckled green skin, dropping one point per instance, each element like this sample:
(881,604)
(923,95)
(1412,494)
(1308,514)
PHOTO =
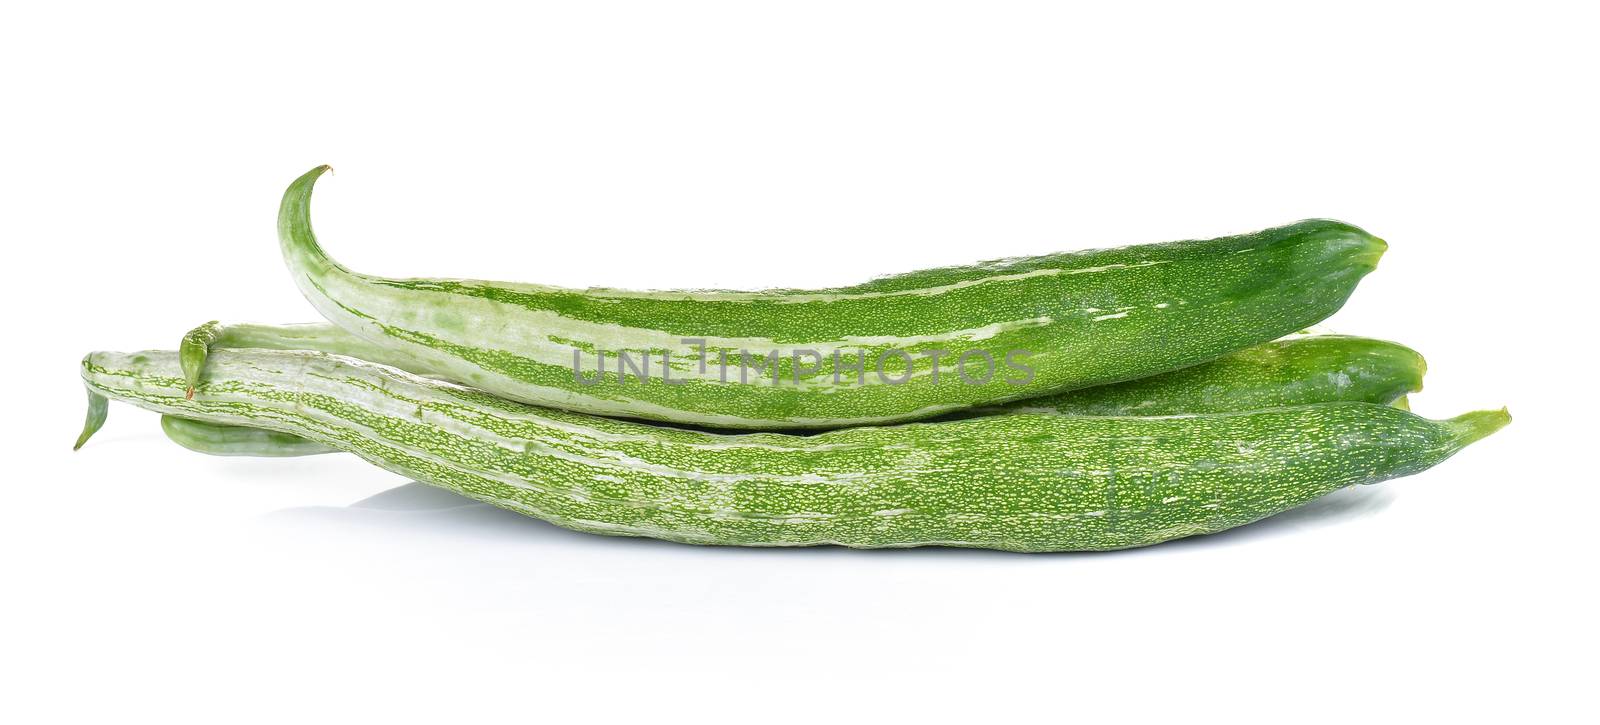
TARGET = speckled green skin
(1084,318)
(1295,371)
(1024,482)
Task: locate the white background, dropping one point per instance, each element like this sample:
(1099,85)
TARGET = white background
(752,145)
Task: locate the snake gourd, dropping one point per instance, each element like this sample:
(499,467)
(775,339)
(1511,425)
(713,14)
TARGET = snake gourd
(1020,482)
(1294,371)
(894,349)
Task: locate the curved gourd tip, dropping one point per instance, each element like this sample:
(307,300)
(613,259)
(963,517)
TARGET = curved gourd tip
(1477,425)
(95,418)
(192,352)
(299,191)
(300,247)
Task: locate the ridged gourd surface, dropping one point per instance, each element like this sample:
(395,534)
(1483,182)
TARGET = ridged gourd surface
(1072,320)
(1296,371)
(1025,482)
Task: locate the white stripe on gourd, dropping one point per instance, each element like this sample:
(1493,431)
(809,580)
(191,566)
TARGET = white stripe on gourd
(1085,318)
(1294,371)
(1022,482)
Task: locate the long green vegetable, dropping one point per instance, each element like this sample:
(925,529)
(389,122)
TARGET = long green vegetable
(1023,482)
(1295,371)
(899,348)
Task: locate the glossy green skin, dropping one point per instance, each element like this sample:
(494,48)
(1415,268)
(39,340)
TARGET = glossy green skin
(234,440)
(1295,371)
(1023,482)
(1083,318)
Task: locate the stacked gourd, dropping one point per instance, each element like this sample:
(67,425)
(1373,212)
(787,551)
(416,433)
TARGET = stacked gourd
(1162,398)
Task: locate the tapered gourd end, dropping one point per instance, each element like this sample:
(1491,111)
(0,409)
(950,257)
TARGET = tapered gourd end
(1477,425)
(1371,251)
(95,418)
(192,352)
(1398,365)
(301,251)
(1416,368)
(1338,240)
(1365,250)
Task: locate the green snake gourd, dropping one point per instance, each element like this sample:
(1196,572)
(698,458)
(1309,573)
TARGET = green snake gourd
(1294,371)
(894,349)
(1022,482)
